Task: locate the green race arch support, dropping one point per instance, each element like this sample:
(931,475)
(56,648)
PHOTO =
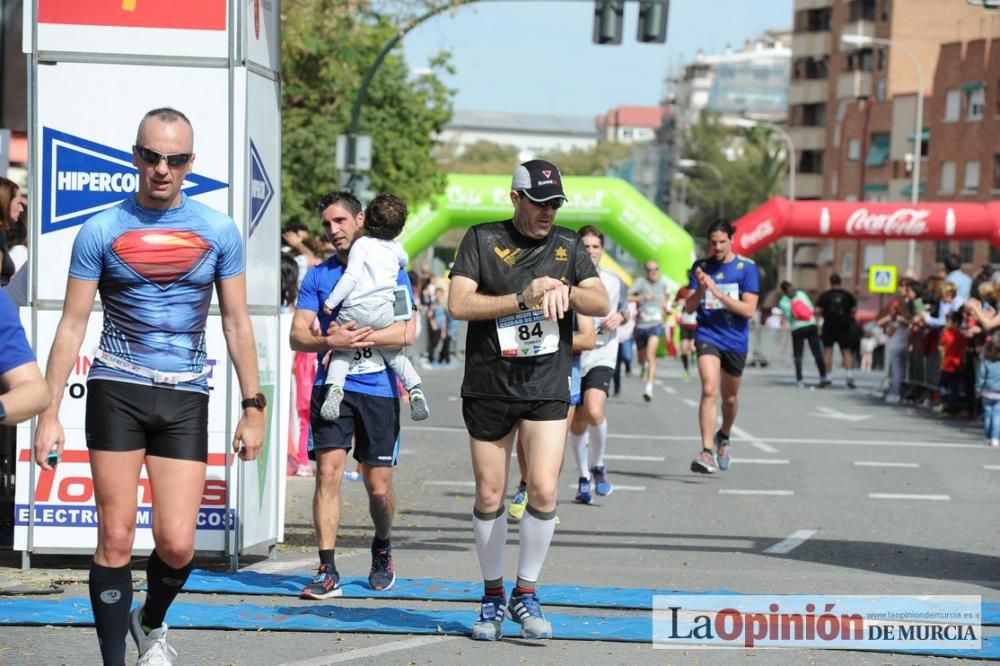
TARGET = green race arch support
(611,204)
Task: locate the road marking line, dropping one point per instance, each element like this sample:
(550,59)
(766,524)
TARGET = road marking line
(735,491)
(464,484)
(611,456)
(984,466)
(303,565)
(791,543)
(375,650)
(776,440)
(637,489)
(452,398)
(763,446)
(872,463)
(670,389)
(758,461)
(742,434)
(905,496)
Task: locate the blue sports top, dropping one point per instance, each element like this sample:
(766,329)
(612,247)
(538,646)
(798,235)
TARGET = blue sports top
(316,287)
(717,325)
(155,272)
(16,350)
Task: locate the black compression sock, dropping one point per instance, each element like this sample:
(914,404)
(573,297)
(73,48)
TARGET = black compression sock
(111,601)
(164,583)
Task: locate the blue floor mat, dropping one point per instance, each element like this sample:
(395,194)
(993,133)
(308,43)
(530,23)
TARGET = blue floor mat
(622,598)
(329,617)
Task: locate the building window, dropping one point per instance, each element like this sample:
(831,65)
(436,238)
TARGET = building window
(952,105)
(941,251)
(878,150)
(996,172)
(884,15)
(854,150)
(847,263)
(994,255)
(971,185)
(975,101)
(811,161)
(947,178)
(965,250)
(859,60)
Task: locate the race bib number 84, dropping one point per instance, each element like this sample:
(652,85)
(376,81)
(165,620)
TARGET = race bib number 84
(526,334)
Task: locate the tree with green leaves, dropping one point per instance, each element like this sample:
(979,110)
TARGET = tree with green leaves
(326,49)
(755,175)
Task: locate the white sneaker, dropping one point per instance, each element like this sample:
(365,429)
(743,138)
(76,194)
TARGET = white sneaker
(153,647)
(647,395)
(995,441)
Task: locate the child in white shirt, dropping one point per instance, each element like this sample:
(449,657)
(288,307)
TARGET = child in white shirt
(366,293)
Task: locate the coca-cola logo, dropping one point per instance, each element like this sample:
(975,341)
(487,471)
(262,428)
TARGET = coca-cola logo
(751,238)
(902,222)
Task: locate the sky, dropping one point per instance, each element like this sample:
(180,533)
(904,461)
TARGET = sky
(534,56)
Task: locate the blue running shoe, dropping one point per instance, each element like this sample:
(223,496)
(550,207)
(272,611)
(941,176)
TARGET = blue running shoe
(492,612)
(722,450)
(583,492)
(383,575)
(526,611)
(325,585)
(602,486)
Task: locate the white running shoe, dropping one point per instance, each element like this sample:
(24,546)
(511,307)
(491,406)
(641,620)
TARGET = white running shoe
(153,647)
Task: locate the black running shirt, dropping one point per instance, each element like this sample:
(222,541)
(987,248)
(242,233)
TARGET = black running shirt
(503,261)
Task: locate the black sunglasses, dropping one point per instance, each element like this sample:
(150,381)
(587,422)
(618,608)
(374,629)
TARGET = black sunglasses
(652,269)
(554,204)
(153,158)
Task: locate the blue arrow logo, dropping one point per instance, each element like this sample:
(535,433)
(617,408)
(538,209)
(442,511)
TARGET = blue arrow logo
(261,190)
(81,178)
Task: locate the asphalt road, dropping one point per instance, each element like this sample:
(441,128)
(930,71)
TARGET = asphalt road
(888,500)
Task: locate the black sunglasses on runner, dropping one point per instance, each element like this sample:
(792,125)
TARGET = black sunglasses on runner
(152,157)
(554,204)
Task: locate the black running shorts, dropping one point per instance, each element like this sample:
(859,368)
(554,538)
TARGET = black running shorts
(370,421)
(598,377)
(836,334)
(492,419)
(688,333)
(166,422)
(732,362)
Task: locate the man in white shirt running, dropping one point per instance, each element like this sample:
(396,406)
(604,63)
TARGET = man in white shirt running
(651,294)
(597,369)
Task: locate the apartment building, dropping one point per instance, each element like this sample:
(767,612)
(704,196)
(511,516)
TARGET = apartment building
(852,113)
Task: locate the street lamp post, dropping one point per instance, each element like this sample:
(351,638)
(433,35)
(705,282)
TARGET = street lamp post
(691,164)
(682,179)
(748,123)
(858,41)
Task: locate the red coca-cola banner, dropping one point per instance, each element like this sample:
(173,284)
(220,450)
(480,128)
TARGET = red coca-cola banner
(181,14)
(865,220)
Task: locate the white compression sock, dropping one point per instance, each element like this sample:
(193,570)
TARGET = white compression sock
(491,542)
(579,445)
(536,533)
(599,436)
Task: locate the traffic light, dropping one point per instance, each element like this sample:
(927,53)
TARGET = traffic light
(608,21)
(653,20)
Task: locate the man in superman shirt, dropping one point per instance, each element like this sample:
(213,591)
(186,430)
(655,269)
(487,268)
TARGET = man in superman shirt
(155,259)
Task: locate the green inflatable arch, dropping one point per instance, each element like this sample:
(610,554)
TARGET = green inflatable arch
(611,204)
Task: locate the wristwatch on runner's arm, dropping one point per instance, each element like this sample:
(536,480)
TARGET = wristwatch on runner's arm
(259,401)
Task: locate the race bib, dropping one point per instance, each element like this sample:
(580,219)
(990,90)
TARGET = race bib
(527,334)
(730,289)
(365,362)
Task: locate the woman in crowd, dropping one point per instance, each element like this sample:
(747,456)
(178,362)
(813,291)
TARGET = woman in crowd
(13,241)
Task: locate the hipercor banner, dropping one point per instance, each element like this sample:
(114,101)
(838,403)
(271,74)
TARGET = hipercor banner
(84,161)
(189,28)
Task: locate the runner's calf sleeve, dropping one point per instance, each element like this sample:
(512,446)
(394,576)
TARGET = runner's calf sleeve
(111,601)
(579,445)
(490,530)
(599,438)
(164,583)
(537,528)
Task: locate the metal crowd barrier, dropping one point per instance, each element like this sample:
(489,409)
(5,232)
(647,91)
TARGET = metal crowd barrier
(923,363)
(769,345)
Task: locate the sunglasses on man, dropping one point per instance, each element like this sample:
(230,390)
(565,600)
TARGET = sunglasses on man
(153,158)
(554,204)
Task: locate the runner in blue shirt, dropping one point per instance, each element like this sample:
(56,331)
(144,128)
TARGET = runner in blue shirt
(155,259)
(725,288)
(23,392)
(369,413)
